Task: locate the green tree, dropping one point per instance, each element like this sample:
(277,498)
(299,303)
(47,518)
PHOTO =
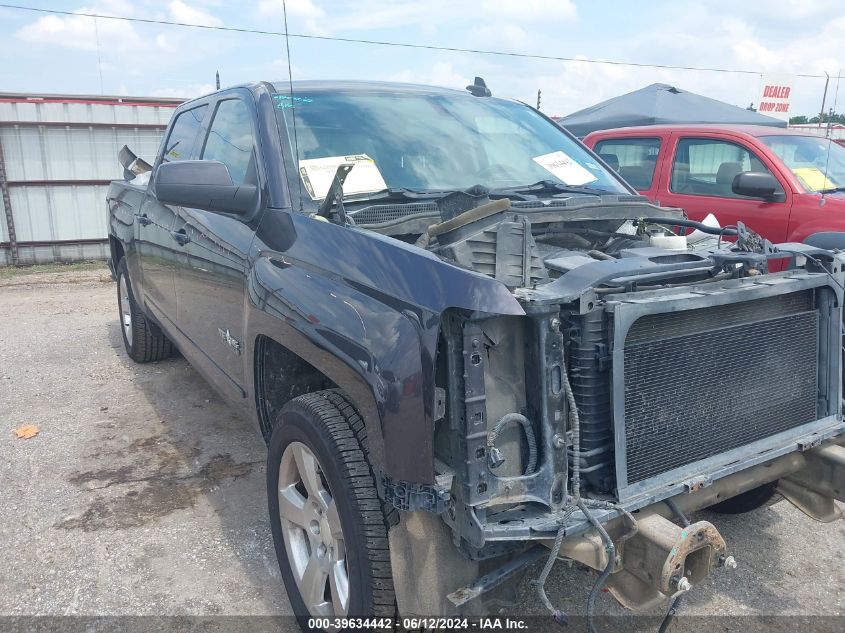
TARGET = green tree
(829,117)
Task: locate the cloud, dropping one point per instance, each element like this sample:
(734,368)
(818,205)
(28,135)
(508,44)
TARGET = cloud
(305,10)
(791,36)
(114,36)
(372,14)
(697,39)
(183,12)
(378,14)
(276,71)
(501,36)
(439,74)
(299,8)
(530,10)
(80,32)
(296,8)
(125,46)
(185,91)
(751,53)
(780,14)
(163,42)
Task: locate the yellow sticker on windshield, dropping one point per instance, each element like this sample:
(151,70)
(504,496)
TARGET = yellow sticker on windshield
(813,178)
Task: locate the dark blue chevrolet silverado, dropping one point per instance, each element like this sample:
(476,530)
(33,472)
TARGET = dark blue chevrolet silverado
(470,345)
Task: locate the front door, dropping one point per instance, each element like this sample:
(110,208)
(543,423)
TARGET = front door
(700,182)
(157,244)
(210,283)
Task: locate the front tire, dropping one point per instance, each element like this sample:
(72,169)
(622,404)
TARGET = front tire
(329,526)
(144,341)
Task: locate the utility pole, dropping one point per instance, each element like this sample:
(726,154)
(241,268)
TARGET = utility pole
(538,99)
(835,100)
(824,98)
(217,79)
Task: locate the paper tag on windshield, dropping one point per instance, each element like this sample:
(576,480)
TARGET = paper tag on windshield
(564,168)
(317,175)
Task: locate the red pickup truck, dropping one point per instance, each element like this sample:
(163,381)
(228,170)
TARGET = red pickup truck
(786,185)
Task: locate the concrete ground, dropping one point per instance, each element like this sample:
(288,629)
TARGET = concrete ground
(143,494)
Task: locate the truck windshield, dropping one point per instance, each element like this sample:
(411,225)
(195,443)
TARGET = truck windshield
(426,141)
(818,163)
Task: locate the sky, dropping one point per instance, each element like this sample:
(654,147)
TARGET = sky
(71,54)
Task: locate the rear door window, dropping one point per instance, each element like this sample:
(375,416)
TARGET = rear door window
(231,141)
(183,134)
(708,166)
(635,159)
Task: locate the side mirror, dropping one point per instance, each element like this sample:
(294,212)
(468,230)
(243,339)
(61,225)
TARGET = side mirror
(203,184)
(755,184)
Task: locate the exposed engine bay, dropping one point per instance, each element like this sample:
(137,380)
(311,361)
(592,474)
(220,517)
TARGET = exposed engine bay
(525,244)
(659,368)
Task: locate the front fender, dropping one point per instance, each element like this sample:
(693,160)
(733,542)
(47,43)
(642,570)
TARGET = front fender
(814,217)
(365,310)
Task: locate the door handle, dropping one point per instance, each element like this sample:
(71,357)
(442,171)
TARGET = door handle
(180,236)
(143,220)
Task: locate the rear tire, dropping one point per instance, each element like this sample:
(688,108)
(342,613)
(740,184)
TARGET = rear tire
(746,501)
(323,505)
(144,341)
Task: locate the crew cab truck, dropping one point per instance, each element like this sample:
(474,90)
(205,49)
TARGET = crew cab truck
(784,184)
(457,334)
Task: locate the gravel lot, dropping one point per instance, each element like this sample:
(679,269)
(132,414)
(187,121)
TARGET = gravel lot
(143,494)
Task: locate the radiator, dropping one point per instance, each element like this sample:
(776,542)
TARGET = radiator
(698,383)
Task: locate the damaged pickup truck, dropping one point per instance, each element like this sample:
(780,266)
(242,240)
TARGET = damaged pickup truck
(470,345)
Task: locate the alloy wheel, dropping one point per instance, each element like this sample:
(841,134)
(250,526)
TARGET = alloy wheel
(125,309)
(312,533)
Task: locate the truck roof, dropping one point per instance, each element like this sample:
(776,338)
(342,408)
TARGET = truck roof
(393,87)
(750,130)
(364,86)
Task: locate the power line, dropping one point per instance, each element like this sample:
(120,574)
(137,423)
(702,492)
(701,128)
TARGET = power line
(432,47)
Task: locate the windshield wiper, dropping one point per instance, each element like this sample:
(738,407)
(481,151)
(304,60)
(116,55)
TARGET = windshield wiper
(832,190)
(332,205)
(398,194)
(550,186)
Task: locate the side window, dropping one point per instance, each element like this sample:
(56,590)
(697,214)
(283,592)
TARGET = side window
(632,158)
(231,141)
(707,167)
(183,134)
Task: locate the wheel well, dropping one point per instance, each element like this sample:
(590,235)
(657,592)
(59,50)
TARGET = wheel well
(280,376)
(116,250)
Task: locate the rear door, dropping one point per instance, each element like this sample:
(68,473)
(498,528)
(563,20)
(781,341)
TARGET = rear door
(700,176)
(636,159)
(159,252)
(210,281)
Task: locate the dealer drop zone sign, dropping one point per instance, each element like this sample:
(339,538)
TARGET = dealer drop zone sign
(775,96)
